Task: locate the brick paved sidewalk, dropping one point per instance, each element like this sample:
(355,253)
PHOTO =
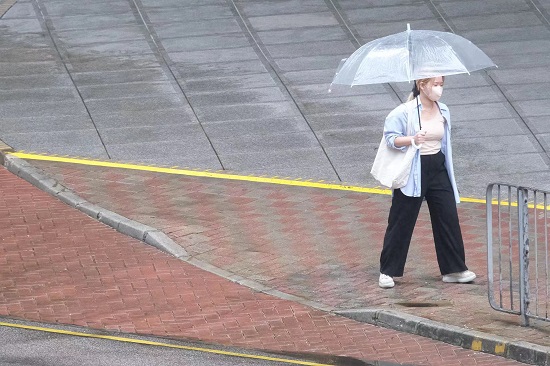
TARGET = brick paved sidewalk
(317,244)
(58,265)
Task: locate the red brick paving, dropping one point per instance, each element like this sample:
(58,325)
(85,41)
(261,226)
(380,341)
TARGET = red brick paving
(59,266)
(321,245)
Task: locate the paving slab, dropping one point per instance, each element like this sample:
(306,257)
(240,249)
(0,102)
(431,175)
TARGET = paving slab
(27,54)
(189,134)
(121,48)
(213,83)
(534,108)
(181,44)
(169,14)
(343,48)
(273,22)
(93,22)
(516,47)
(468,8)
(376,29)
(82,139)
(24,96)
(216,69)
(259,8)
(113,63)
(294,163)
(119,76)
(347,104)
(234,97)
(400,13)
(73,107)
(217,55)
(532,91)
(264,126)
(20,26)
(167,152)
(63,9)
(492,21)
(246,111)
(299,35)
(524,61)
(128,90)
(177,3)
(167,101)
(308,62)
(24,40)
(81,37)
(126,118)
(509,34)
(265,143)
(44,124)
(197,28)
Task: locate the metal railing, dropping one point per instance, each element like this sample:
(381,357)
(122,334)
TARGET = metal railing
(518,255)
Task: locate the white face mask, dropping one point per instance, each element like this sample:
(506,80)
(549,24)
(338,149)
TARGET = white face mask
(435,93)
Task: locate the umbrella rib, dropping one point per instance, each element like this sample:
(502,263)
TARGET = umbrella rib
(373,49)
(454,53)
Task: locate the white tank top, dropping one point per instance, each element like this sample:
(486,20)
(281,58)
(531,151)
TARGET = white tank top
(435,129)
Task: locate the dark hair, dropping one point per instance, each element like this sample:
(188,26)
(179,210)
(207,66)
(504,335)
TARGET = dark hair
(415,90)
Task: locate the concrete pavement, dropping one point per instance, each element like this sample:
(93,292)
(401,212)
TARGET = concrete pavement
(242,85)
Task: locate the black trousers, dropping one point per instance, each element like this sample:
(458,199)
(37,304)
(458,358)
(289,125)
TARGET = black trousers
(438,192)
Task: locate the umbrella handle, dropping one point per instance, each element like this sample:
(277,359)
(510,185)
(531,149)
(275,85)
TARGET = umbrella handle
(417,147)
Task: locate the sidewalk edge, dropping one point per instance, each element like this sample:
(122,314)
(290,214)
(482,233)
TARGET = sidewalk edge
(132,228)
(470,339)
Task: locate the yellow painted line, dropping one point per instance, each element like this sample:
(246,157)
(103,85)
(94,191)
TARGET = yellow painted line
(159,344)
(299,182)
(477,345)
(198,173)
(500,348)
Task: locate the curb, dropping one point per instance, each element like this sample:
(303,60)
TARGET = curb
(134,229)
(470,339)
(515,350)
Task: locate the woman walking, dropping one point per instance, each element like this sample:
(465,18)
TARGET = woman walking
(431,178)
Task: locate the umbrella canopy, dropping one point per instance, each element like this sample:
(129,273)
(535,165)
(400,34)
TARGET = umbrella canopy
(411,55)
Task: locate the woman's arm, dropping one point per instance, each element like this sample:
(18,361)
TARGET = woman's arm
(418,139)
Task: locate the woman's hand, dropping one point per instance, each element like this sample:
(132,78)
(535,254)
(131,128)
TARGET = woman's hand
(420,137)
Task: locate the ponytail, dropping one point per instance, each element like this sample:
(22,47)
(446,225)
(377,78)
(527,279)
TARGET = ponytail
(415,92)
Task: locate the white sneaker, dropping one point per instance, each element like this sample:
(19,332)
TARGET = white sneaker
(460,277)
(385,281)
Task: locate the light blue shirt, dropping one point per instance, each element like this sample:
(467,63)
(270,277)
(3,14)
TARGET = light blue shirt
(396,126)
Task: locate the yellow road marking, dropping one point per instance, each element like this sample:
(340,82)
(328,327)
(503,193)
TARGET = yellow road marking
(477,345)
(500,348)
(159,344)
(197,173)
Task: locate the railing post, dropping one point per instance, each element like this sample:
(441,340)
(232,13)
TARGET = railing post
(523,217)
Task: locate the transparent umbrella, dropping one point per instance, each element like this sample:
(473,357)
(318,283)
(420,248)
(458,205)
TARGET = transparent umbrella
(411,55)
